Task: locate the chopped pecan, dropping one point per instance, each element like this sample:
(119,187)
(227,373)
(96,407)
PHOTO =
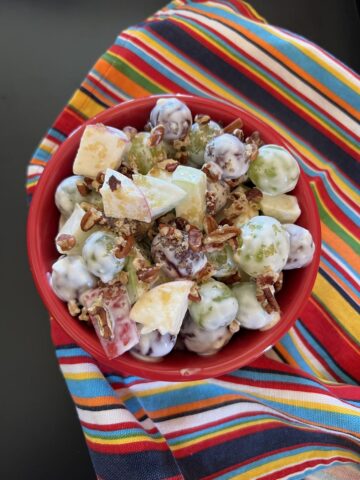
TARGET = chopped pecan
(82,188)
(84,317)
(195,238)
(167,218)
(221,235)
(65,242)
(156,135)
(149,274)
(124,246)
(239,133)
(206,273)
(234,182)
(101,318)
(238,205)
(126,170)
(114,183)
(279,282)
(73,308)
(264,292)
(234,326)
(212,171)
(88,181)
(251,151)
(98,182)
(210,224)
(234,242)
(237,123)
(253,195)
(202,119)
(194,294)
(148,127)
(90,218)
(130,132)
(171,166)
(181,223)
(255,138)
(211,203)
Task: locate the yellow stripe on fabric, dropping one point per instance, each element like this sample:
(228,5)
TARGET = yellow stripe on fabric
(159,390)
(83,376)
(306,359)
(339,308)
(207,436)
(122,440)
(85,105)
(255,13)
(297,459)
(270,83)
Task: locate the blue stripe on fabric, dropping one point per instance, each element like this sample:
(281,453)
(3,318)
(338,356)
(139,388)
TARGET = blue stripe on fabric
(341,260)
(89,387)
(56,134)
(41,154)
(323,353)
(275,377)
(120,433)
(106,81)
(288,49)
(71,352)
(311,470)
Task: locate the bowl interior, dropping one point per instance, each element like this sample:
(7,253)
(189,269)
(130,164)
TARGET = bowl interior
(244,347)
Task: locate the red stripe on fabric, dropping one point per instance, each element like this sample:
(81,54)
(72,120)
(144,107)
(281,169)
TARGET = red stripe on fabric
(225,437)
(339,267)
(320,324)
(118,426)
(68,121)
(131,447)
(340,216)
(102,87)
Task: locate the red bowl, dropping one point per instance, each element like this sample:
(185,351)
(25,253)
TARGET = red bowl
(180,365)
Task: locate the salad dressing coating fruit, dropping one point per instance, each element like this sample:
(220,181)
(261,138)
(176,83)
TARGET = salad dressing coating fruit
(67,195)
(216,308)
(274,170)
(201,341)
(123,199)
(230,154)
(108,309)
(98,253)
(265,246)
(175,117)
(179,233)
(283,207)
(100,148)
(153,345)
(251,314)
(70,277)
(302,247)
(163,308)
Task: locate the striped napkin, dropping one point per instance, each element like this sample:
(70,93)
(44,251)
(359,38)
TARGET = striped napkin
(295,410)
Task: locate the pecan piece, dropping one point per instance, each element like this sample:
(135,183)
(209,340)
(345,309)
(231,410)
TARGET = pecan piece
(126,170)
(114,183)
(239,133)
(211,203)
(206,273)
(210,224)
(253,195)
(171,166)
(156,135)
(195,238)
(73,308)
(221,235)
(237,123)
(212,171)
(83,188)
(279,282)
(122,250)
(65,242)
(90,218)
(149,274)
(234,326)
(202,119)
(255,138)
(101,318)
(84,317)
(231,279)
(194,294)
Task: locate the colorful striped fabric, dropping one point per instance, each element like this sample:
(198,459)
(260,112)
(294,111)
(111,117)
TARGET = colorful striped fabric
(296,409)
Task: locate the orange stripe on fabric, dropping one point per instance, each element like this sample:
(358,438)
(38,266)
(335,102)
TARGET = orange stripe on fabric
(339,281)
(95,401)
(339,245)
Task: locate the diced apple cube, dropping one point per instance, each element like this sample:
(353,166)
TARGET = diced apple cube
(72,227)
(193,207)
(163,308)
(283,207)
(101,147)
(162,196)
(123,199)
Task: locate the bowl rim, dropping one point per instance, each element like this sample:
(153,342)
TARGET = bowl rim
(127,363)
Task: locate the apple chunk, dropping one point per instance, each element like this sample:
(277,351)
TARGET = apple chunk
(100,148)
(163,308)
(161,195)
(193,206)
(123,199)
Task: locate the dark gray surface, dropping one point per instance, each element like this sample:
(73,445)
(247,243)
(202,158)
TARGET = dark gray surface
(46,49)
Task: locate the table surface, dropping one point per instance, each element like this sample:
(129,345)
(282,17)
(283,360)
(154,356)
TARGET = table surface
(47,48)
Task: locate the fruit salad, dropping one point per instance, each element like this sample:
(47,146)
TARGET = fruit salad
(177,236)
